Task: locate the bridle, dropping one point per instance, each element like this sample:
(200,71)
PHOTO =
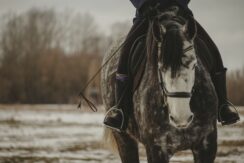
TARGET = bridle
(166,93)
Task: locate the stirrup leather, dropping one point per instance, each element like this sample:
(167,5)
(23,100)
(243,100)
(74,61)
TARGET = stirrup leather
(115,109)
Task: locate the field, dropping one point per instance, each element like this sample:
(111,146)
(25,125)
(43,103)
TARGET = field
(63,134)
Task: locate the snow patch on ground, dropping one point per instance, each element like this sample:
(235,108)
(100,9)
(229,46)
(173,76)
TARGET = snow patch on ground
(61,133)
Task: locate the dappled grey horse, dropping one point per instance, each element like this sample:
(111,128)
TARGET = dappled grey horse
(174,107)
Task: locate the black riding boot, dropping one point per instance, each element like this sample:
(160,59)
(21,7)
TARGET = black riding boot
(116,117)
(225,115)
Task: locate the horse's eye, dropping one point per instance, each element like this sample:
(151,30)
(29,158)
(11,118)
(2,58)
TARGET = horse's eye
(194,66)
(163,69)
(160,67)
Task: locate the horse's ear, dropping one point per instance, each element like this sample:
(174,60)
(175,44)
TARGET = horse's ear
(191,28)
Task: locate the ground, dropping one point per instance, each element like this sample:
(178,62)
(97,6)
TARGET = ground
(63,134)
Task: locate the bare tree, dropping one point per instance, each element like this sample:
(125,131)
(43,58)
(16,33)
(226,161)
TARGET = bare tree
(118,30)
(35,66)
(236,86)
(82,33)
(24,38)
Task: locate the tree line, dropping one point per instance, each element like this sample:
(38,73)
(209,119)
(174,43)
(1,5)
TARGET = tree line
(235,83)
(48,56)
(45,56)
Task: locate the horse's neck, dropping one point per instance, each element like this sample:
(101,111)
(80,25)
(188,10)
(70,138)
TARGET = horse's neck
(151,75)
(147,99)
(149,82)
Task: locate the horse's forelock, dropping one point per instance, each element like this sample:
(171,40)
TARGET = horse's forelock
(172,50)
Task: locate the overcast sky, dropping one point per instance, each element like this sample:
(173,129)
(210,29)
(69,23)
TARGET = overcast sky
(223,19)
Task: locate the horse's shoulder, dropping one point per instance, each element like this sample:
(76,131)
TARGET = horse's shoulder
(111,58)
(113,49)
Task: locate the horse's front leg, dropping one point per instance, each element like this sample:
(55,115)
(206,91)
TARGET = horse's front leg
(155,154)
(127,147)
(207,149)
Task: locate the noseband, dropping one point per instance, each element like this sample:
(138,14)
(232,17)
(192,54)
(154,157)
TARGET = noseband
(174,94)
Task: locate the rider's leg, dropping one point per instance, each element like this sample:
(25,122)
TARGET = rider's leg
(225,114)
(117,116)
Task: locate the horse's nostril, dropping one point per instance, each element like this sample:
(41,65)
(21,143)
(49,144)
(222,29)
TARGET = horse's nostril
(190,118)
(182,126)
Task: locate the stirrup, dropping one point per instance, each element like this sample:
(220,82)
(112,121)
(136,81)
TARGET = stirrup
(115,108)
(228,103)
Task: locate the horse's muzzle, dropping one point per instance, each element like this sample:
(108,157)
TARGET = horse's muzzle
(179,123)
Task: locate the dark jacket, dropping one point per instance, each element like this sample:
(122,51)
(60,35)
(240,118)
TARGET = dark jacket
(139,3)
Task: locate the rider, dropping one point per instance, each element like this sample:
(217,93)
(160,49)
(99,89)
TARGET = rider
(117,117)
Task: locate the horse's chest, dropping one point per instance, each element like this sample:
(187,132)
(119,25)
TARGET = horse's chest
(153,126)
(175,140)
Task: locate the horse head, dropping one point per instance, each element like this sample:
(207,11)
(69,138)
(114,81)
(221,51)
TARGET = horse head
(176,66)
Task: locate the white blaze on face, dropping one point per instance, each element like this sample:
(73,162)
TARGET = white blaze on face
(179,108)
